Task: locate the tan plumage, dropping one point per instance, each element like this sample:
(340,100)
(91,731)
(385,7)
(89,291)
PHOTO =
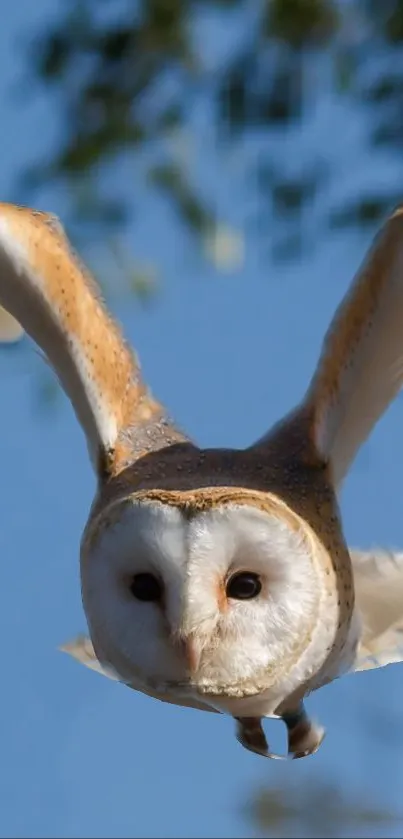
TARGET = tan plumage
(66,317)
(194,520)
(361,367)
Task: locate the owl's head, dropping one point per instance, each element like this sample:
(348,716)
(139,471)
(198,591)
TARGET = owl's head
(194,595)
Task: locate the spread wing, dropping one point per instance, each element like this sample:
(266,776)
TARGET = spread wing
(47,290)
(82,650)
(378,577)
(360,369)
(361,366)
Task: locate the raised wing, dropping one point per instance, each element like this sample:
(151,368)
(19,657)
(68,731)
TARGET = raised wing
(47,290)
(360,369)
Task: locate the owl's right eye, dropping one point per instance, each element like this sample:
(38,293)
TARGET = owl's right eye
(244,586)
(146,587)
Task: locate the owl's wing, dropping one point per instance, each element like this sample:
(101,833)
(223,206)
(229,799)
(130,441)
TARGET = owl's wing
(82,650)
(48,291)
(360,369)
(378,579)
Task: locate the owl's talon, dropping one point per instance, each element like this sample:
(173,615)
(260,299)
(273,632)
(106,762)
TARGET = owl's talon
(251,736)
(304,736)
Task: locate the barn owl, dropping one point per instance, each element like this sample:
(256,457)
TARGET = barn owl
(220,579)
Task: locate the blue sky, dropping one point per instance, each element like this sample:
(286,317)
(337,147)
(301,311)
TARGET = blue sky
(82,756)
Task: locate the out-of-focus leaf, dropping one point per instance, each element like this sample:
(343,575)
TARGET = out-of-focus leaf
(344,69)
(389,134)
(233,96)
(301,23)
(363,212)
(385,88)
(127,82)
(282,102)
(391,14)
(87,150)
(290,195)
(170,179)
(55,56)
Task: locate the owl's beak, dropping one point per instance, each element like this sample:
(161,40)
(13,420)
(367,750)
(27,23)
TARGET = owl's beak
(192,655)
(190,650)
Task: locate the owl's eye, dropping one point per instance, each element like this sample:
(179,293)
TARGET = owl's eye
(244,586)
(146,587)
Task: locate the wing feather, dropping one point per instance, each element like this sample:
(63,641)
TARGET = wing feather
(44,286)
(360,370)
(378,578)
(81,649)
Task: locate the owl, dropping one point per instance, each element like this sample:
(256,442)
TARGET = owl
(220,579)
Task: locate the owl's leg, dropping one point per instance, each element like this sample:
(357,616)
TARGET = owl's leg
(252,737)
(304,736)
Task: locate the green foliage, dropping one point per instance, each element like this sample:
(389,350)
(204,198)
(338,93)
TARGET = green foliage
(130,82)
(301,23)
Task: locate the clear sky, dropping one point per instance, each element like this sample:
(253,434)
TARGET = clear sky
(80,755)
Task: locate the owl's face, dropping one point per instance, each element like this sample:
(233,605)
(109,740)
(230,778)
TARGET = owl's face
(216,601)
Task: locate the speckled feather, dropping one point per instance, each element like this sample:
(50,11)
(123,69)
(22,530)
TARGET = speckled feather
(67,318)
(361,367)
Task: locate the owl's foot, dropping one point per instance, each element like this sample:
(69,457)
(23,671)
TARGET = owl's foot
(304,736)
(251,736)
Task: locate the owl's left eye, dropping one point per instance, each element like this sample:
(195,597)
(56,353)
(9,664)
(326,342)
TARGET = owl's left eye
(244,586)
(146,587)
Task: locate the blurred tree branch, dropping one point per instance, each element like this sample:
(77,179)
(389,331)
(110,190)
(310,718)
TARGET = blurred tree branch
(130,80)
